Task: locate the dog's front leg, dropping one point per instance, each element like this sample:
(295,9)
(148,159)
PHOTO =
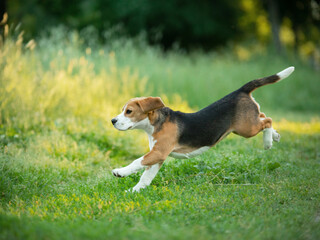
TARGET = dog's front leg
(147,177)
(133,167)
(152,161)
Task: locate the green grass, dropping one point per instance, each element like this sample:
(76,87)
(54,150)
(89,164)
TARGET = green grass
(57,146)
(236,190)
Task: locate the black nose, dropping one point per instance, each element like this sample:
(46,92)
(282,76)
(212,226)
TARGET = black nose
(113,120)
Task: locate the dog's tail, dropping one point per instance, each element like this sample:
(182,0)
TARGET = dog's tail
(251,86)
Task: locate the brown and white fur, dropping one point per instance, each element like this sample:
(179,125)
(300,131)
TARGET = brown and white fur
(185,135)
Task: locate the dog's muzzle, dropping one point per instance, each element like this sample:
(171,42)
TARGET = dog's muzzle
(113,120)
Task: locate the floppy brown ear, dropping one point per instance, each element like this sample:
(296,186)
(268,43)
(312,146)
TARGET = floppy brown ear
(150,103)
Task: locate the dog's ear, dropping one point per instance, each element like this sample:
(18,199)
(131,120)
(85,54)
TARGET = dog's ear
(149,104)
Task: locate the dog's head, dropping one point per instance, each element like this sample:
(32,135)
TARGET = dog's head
(135,113)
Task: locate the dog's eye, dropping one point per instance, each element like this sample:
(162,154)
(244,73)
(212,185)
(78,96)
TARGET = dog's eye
(128,111)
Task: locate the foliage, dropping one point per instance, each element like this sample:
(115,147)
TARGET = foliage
(202,23)
(304,17)
(188,24)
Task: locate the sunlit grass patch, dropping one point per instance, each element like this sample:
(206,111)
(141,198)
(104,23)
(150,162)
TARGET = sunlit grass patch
(70,93)
(312,127)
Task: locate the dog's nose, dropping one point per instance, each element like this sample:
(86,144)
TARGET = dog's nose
(113,120)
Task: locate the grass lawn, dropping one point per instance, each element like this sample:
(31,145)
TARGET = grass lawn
(236,190)
(58,147)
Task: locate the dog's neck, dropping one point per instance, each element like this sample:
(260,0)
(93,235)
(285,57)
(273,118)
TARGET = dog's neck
(146,126)
(149,129)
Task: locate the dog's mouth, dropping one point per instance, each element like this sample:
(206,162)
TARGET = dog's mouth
(122,129)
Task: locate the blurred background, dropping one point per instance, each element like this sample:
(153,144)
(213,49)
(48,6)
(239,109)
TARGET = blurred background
(289,26)
(83,59)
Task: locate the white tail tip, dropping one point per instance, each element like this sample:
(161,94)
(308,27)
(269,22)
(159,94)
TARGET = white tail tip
(285,73)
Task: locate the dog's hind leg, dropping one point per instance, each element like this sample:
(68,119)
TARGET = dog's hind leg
(269,134)
(267,138)
(249,127)
(275,136)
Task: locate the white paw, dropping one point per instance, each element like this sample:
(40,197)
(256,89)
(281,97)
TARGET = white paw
(138,187)
(133,190)
(119,172)
(267,144)
(267,138)
(276,136)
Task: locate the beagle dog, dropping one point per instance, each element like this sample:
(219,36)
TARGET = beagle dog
(186,135)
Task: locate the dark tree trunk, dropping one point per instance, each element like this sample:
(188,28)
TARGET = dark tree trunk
(273,9)
(296,38)
(3,8)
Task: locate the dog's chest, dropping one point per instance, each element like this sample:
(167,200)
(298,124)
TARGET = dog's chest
(179,155)
(152,141)
(189,154)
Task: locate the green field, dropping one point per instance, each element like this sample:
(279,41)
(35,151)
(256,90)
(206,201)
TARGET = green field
(58,147)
